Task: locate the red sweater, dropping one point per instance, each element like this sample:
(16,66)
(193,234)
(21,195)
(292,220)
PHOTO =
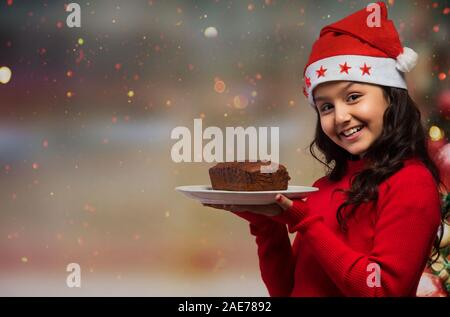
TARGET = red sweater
(396,234)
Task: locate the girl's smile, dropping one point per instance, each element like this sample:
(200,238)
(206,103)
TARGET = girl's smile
(352,134)
(351,113)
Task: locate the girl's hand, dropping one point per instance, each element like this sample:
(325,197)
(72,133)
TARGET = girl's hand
(282,203)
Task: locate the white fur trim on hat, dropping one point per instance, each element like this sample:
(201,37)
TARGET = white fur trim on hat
(358,68)
(406,60)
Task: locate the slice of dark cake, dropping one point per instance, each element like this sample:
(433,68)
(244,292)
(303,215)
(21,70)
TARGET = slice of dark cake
(247,176)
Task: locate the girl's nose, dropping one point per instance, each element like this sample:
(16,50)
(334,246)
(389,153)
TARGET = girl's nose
(342,115)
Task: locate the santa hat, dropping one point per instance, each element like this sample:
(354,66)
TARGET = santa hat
(357,48)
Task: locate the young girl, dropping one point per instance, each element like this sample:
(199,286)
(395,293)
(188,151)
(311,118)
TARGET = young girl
(369,229)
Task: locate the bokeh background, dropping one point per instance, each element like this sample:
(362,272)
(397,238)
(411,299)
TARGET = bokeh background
(86,174)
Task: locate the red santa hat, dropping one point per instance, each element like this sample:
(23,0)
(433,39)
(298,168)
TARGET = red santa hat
(359,48)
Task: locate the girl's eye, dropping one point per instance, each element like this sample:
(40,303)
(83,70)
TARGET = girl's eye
(324,107)
(353,97)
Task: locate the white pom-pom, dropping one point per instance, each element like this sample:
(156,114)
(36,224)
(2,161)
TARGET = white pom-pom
(406,60)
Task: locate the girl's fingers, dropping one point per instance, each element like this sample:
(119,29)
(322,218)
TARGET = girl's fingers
(283,201)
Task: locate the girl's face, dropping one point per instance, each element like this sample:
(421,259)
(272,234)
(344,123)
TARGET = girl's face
(343,105)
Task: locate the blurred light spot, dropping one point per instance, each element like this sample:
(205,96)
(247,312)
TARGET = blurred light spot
(89,208)
(435,133)
(35,166)
(24,259)
(219,86)
(130,94)
(442,76)
(240,102)
(5,75)
(80,41)
(211,32)
(14,235)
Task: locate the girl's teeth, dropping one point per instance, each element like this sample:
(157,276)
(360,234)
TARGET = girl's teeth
(350,132)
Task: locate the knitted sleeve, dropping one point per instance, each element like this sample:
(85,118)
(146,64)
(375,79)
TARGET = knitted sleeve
(408,217)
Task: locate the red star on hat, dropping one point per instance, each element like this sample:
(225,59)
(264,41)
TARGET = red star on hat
(307,81)
(321,72)
(365,70)
(344,67)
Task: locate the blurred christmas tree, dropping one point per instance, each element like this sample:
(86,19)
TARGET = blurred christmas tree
(436,278)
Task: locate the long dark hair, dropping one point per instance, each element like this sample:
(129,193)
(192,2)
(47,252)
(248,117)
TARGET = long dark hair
(405,137)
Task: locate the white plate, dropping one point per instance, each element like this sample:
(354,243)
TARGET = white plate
(206,195)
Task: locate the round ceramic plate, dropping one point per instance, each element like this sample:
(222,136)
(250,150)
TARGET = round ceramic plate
(206,195)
